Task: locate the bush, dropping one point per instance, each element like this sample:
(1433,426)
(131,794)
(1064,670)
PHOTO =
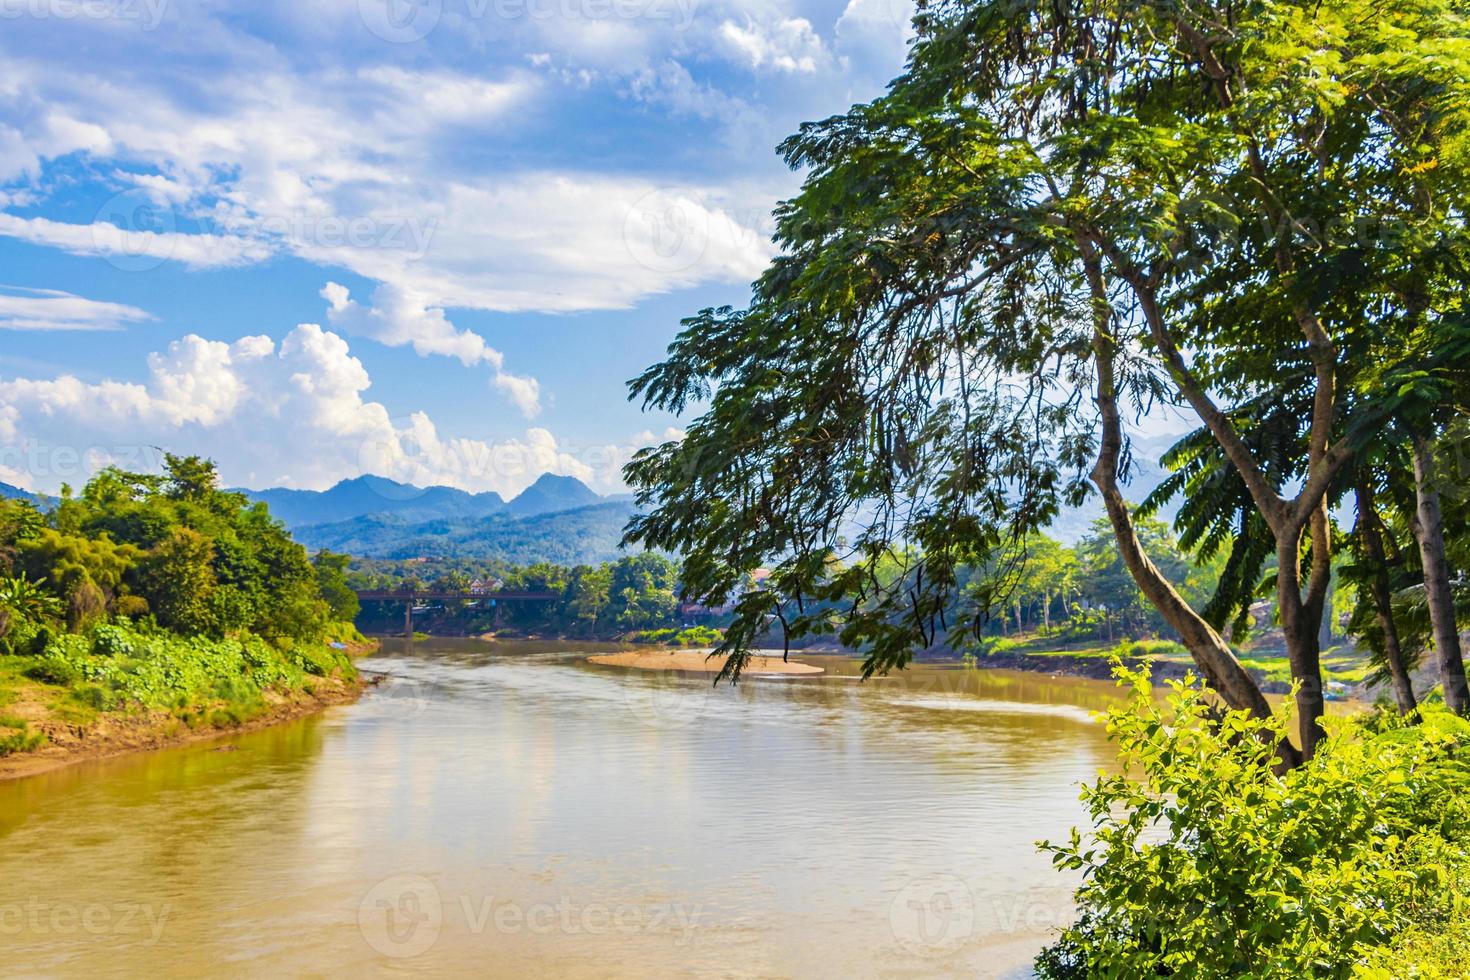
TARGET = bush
(1202,861)
(22,741)
(130,606)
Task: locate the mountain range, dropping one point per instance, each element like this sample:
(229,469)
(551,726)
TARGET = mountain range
(557,518)
(377,496)
(582,535)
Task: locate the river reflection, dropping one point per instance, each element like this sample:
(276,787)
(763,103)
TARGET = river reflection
(511,810)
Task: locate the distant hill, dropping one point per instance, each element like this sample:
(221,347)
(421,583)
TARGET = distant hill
(374,495)
(550,494)
(8,492)
(585,535)
(378,496)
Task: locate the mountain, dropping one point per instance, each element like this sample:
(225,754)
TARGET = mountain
(585,535)
(550,494)
(8,492)
(375,495)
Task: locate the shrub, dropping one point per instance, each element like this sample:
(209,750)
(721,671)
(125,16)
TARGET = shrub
(699,636)
(24,741)
(130,606)
(1202,861)
(113,641)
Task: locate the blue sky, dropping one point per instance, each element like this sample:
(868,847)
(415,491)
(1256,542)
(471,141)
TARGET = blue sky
(429,239)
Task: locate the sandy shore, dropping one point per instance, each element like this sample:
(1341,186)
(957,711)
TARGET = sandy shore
(699,661)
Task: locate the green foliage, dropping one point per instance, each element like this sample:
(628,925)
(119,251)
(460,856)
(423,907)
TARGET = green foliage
(331,581)
(123,665)
(22,597)
(1204,861)
(164,592)
(21,741)
(636,592)
(693,636)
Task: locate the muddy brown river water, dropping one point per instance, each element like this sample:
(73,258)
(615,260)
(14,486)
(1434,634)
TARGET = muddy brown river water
(512,810)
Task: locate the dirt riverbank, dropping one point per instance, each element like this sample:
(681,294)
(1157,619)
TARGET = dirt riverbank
(120,733)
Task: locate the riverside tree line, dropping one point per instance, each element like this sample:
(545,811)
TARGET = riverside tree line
(1064,216)
(160,591)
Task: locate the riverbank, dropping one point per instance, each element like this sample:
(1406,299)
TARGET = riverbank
(123,733)
(700,661)
(118,691)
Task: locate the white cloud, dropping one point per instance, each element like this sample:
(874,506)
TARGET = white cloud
(524,392)
(358,169)
(399,318)
(287,414)
(52,309)
(788,44)
(136,246)
(873,35)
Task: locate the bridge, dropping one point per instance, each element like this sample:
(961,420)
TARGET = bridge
(410,598)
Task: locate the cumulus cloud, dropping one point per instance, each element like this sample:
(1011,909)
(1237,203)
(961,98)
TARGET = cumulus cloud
(360,168)
(788,44)
(53,309)
(401,318)
(293,413)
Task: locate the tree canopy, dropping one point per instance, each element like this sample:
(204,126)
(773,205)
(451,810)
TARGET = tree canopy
(1058,217)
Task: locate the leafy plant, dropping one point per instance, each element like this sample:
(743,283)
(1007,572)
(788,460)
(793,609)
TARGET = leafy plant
(24,597)
(1204,860)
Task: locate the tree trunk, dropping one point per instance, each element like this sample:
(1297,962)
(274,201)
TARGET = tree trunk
(1429,531)
(1046,611)
(1299,627)
(1382,593)
(1211,654)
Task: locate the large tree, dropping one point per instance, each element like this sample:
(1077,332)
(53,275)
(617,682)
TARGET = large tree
(1140,200)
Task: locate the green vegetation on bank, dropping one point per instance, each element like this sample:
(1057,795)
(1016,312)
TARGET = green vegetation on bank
(633,594)
(693,636)
(1204,860)
(160,593)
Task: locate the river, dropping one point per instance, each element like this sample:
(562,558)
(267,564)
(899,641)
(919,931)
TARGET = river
(511,810)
